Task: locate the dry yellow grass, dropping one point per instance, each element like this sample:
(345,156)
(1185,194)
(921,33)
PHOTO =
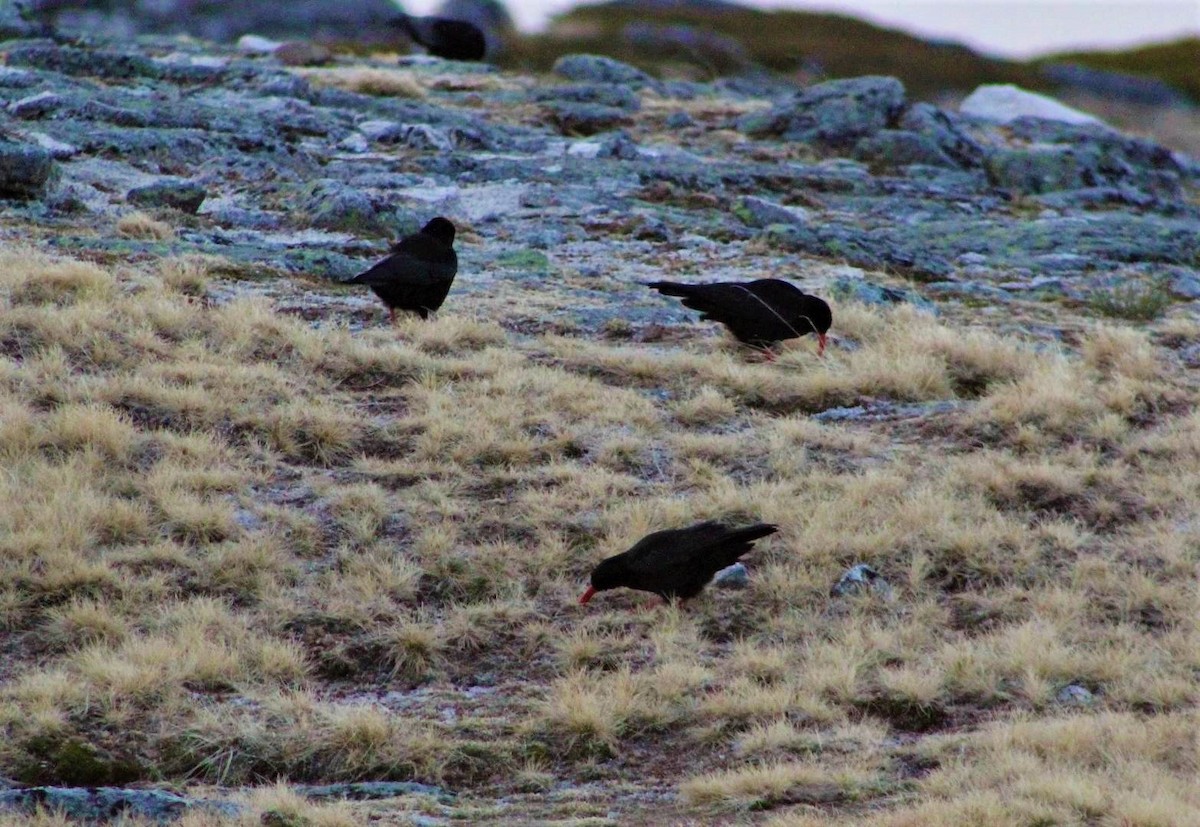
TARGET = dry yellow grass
(368,80)
(146,227)
(229,534)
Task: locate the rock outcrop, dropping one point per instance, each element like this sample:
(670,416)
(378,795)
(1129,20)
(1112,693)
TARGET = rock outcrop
(310,170)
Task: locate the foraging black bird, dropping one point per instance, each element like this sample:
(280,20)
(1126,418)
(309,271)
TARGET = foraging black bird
(759,313)
(676,563)
(418,274)
(443,37)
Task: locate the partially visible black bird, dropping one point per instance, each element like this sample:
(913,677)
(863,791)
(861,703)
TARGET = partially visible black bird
(676,563)
(759,313)
(418,274)
(443,37)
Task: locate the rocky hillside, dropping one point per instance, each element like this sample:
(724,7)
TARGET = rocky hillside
(259,536)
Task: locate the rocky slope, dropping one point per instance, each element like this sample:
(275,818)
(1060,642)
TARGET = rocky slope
(569,190)
(601,169)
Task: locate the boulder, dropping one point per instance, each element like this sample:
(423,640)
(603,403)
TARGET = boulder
(1004,103)
(834,114)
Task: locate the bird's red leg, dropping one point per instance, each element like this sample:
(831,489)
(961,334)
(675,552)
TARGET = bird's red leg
(392,314)
(768,354)
(821,344)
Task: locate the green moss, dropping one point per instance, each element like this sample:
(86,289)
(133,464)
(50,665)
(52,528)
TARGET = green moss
(524,260)
(54,759)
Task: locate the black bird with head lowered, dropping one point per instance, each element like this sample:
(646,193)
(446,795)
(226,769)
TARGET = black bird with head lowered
(758,313)
(443,37)
(418,274)
(676,563)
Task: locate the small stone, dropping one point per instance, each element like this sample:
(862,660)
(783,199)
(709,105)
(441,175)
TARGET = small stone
(861,579)
(597,69)
(252,44)
(185,196)
(759,212)
(1075,695)
(733,577)
(303,53)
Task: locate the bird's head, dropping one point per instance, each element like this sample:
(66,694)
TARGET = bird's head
(441,229)
(610,574)
(816,316)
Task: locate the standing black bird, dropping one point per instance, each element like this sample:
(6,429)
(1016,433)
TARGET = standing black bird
(418,274)
(759,313)
(443,37)
(676,563)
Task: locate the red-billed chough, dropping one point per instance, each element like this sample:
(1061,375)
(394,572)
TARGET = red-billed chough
(676,563)
(444,37)
(759,313)
(418,274)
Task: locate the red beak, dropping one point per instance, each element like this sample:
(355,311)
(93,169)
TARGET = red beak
(591,590)
(821,344)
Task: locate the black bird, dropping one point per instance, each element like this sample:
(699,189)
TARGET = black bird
(676,563)
(418,274)
(443,37)
(759,313)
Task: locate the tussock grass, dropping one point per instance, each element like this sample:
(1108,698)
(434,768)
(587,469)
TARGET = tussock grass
(367,80)
(240,548)
(143,226)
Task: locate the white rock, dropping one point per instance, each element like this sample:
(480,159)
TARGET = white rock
(1004,103)
(252,44)
(57,149)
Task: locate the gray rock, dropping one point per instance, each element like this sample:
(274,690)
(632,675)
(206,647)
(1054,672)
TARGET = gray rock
(372,790)
(1043,169)
(178,194)
(835,114)
(25,170)
(332,205)
(585,118)
(893,148)
(950,132)
(84,62)
(970,290)
(881,411)
(733,577)
(866,292)
(108,803)
(597,69)
(1184,283)
(862,579)
(36,106)
(1075,695)
(759,212)
(605,94)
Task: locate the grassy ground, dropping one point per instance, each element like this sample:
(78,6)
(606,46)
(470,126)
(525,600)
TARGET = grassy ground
(243,547)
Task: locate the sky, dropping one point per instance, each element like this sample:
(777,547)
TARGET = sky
(1006,28)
